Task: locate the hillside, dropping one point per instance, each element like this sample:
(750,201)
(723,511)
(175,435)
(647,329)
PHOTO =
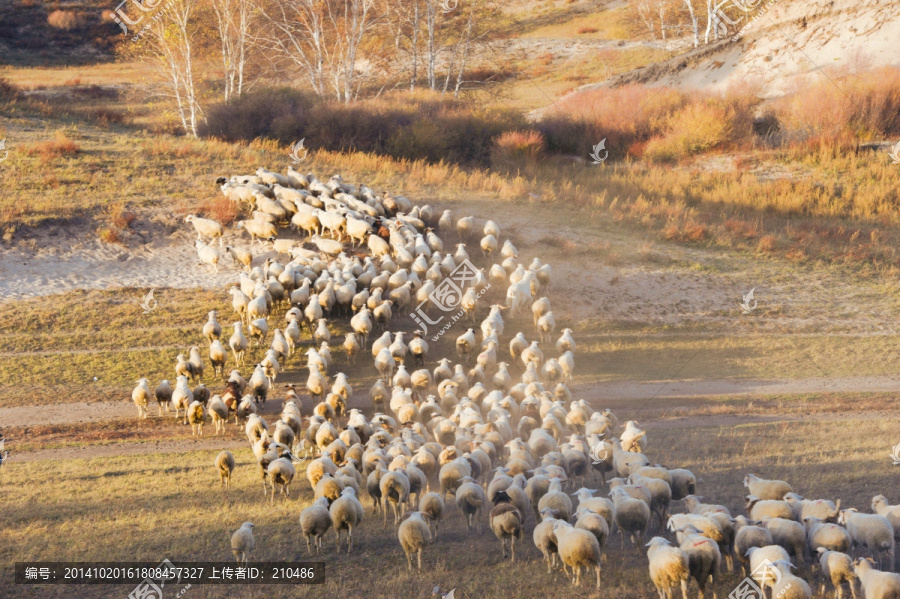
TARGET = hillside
(788,41)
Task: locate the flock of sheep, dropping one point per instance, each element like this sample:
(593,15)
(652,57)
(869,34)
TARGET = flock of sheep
(509,448)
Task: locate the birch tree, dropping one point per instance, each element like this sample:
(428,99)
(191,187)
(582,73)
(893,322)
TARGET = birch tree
(171,45)
(690,7)
(234,23)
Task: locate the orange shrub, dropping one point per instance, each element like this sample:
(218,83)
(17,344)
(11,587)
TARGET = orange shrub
(841,110)
(109,235)
(48,150)
(121,218)
(587,30)
(220,209)
(517,147)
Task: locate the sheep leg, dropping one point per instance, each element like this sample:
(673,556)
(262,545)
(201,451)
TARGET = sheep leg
(420,558)
(684,585)
(349,539)
(408,560)
(512,547)
(337,539)
(503,546)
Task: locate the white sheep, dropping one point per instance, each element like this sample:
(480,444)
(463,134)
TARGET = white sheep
(239,344)
(242,543)
(704,557)
(632,515)
(240,256)
(577,549)
(668,567)
(218,356)
(205,228)
(141,396)
(546,325)
(207,254)
(212,330)
(413,535)
(876,584)
(825,535)
(881,507)
(315,521)
(747,536)
(432,506)
(823,509)
(761,560)
(788,586)
(346,514)
(182,396)
(471,500)
(767,489)
(555,499)
(225,466)
(281,472)
(218,410)
(871,531)
(767,508)
(196,414)
(787,534)
(258,230)
(594,523)
(163,394)
(836,568)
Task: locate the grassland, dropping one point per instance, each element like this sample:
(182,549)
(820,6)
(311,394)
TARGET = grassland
(651,261)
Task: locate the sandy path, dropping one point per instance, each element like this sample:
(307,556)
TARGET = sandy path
(121,449)
(71,413)
(50,267)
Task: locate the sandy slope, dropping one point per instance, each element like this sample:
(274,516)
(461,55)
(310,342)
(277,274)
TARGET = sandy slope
(790,40)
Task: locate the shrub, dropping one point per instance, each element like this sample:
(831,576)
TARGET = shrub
(841,110)
(518,148)
(220,209)
(415,126)
(621,115)
(587,30)
(109,235)
(121,218)
(278,113)
(8,91)
(57,148)
(65,19)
